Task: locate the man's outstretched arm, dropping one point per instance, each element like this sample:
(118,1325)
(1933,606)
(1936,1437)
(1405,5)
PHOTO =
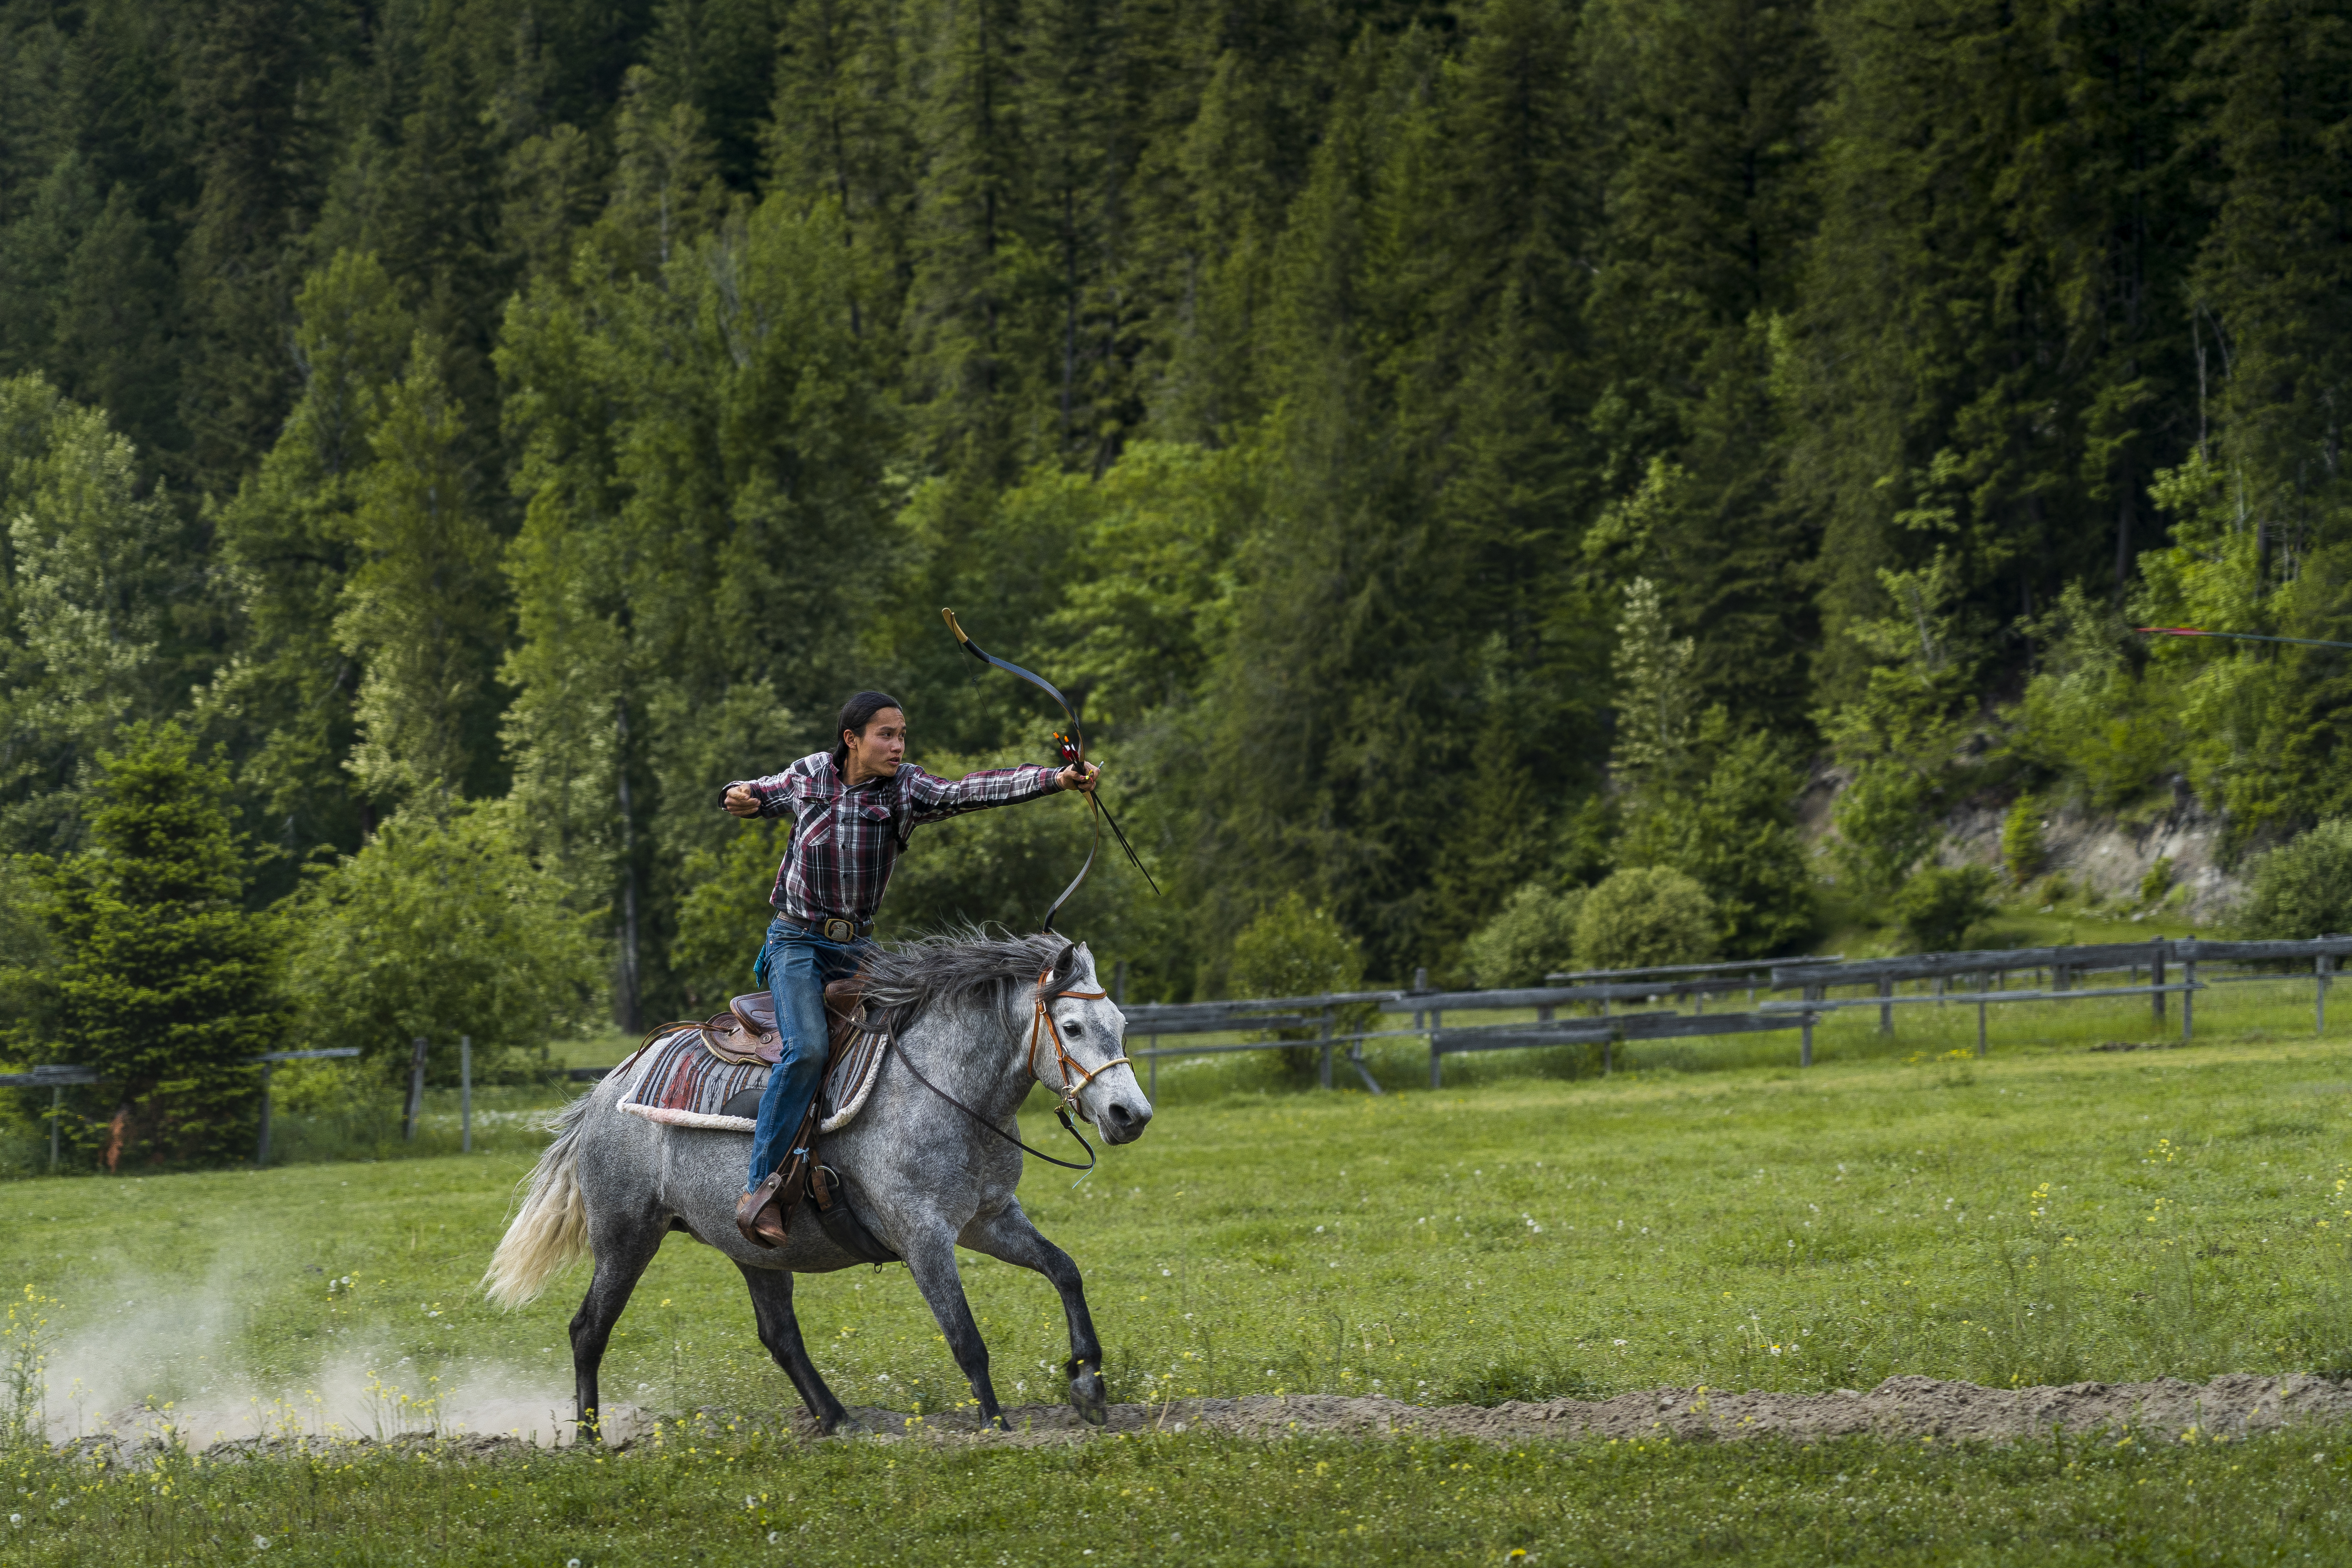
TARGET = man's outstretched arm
(934,799)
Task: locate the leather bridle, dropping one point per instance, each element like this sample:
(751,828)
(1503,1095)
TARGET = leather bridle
(1070,1065)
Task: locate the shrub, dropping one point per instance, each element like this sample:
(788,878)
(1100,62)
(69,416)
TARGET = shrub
(1937,905)
(2304,888)
(442,925)
(2020,839)
(1644,917)
(1294,949)
(1534,935)
(2158,883)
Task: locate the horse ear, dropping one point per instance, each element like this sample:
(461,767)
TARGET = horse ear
(1065,963)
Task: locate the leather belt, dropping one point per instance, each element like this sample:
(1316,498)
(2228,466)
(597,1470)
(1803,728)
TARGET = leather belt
(832,928)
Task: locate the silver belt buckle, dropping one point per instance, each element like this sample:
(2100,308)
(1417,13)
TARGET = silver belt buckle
(838,929)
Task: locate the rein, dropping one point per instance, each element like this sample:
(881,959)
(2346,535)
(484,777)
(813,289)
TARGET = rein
(1069,1092)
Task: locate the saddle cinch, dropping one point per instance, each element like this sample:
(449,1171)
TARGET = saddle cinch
(712,1075)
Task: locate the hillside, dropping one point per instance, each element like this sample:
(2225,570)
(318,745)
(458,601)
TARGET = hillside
(1443,450)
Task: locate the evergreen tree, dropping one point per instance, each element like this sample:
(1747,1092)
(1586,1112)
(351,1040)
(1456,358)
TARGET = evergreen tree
(291,544)
(254,153)
(1711,157)
(702,473)
(98,576)
(1993,324)
(840,130)
(422,611)
(167,986)
(719,57)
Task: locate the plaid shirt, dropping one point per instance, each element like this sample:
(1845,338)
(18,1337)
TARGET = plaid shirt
(845,841)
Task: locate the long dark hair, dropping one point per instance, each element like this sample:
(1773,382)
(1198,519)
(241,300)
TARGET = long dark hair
(855,714)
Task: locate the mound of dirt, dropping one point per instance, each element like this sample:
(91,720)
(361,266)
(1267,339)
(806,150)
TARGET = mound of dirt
(2230,1405)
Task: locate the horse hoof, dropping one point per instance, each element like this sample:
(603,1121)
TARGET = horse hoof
(1087,1399)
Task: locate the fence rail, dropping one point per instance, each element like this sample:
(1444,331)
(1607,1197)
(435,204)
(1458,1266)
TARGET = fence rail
(1813,978)
(1600,990)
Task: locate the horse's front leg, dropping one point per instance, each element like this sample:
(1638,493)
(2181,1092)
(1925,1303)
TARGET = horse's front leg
(1008,1235)
(931,1260)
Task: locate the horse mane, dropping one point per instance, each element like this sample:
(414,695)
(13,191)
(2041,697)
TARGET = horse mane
(961,965)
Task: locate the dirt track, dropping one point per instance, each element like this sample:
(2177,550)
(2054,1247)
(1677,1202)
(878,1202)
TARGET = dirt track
(2232,1405)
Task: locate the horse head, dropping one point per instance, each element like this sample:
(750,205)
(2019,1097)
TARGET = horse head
(1078,1048)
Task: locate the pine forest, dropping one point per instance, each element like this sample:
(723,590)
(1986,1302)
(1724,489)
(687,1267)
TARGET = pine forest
(1451,453)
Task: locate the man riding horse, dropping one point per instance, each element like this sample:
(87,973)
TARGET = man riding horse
(853,809)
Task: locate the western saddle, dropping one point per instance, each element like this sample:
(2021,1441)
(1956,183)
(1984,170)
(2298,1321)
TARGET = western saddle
(747,1033)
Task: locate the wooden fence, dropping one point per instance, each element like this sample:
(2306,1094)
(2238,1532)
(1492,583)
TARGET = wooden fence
(1313,1021)
(56,1078)
(1607,993)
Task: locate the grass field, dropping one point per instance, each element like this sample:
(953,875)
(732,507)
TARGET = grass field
(2047,1214)
(1200,1498)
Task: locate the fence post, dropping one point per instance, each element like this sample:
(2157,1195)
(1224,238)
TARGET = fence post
(416,1091)
(1421,983)
(1324,1033)
(1885,1008)
(1805,1051)
(2156,977)
(2188,999)
(1980,1023)
(464,1094)
(261,1145)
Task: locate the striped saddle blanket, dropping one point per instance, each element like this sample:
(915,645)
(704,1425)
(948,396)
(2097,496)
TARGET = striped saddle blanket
(676,1081)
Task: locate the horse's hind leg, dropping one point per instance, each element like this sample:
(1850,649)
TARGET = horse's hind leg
(780,1330)
(622,1250)
(1008,1235)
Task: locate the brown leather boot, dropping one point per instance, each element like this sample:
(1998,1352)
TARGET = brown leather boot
(759,1215)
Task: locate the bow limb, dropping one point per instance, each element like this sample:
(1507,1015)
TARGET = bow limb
(1078,733)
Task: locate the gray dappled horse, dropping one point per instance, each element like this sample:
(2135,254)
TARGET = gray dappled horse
(923,1175)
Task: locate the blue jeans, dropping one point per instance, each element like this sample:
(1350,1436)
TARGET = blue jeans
(794,966)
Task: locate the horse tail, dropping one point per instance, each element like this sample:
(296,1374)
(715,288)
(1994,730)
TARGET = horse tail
(550,1231)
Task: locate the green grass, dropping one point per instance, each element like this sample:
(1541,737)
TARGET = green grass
(1869,1218)
(2047,1214)
(1203,1498)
